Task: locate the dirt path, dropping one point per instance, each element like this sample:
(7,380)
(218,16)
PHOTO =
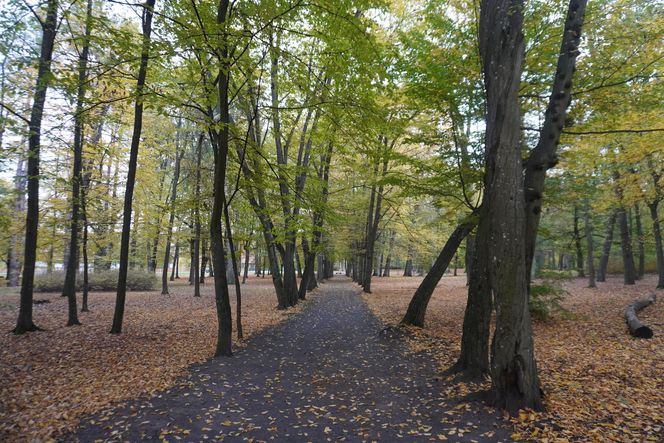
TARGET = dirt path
(325,375)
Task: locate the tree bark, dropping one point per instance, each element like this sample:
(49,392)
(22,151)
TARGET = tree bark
(626,246)
(515,383)
(245,275)
(418,304)
(639,239)
(544,155)
(220,142)
(606,251)
(636,328)
(589,242)
(24,322)
(118,315)
(69,288)
(236,275)
(577,243)
(171,218)
(659,247)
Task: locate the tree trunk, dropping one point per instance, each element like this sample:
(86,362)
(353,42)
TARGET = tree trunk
(626,246)
(118,315)
(220,142)
(176,260)
(69,288)
(636,328)
(14,261)
(24,322)
(589,242)
(418,304)
(236,275)
(515,383)
(204,262)
(197,218)
(639,239)
(606,250)
(171,218)
(245,275)
(544,155)
(659,247)
(577,243)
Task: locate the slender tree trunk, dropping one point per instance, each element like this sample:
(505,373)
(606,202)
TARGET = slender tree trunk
(245,275)
(197,218)
(418,304)
(639,239)
(388,260)
(589,242)
(606,250)
(236,274)
(220,142)
(659,247)
(24,322)
(626,245)
(577,243)
(176,260)
(544,155)
(69,288)
(171,217)
(118,315)
(14,262)
(204,262)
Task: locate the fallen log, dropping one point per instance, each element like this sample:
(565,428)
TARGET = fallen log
(636,328)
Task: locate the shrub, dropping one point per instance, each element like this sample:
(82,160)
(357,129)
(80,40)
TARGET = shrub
(97,281)
(545,300)
(552,274)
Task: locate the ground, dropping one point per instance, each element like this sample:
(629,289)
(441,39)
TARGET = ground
(321,372)
(600,383)
(50,378)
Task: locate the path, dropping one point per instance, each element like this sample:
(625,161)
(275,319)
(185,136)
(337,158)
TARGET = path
(325,375)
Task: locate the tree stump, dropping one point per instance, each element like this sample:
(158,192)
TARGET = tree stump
(636,328)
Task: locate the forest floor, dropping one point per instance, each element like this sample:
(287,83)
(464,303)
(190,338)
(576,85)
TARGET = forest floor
(332,373)
(49,379)
(600,383)
(328,374)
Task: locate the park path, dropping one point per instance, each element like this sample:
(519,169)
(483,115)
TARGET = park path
(326,374)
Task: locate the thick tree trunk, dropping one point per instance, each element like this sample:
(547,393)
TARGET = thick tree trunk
(418,304)
(636,328)
(118,315)
(577,243)
(639,239)
(589,242)
(24,322)
(606,250)
(515,383)
(659,247)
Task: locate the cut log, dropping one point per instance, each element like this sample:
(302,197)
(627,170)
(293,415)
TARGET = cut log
(636,328)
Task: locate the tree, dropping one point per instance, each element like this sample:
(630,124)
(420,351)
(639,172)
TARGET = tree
(148,11)
(24,323)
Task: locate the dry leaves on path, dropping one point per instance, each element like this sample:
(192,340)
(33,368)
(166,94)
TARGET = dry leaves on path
(601,384)
(53,377)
